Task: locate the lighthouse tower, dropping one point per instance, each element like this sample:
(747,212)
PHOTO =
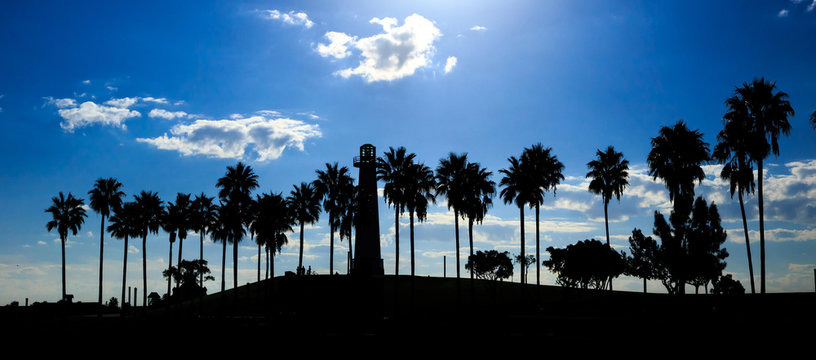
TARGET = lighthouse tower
(367,257)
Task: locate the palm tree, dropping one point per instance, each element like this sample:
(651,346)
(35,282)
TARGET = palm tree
(273,222)
(450,182)
(676,157)
(478,197)
(418,192)
(67,214)
(203,215)
(331,184)
(148,218)
(123,225)
(236,186)
(183,205)
(349,205)
(766,113)
(304,203)
(609,173)
(391,170)
(175,221)
(517,187)
(252,224)
(105,197)
(546,173)
(732,150)
(227,228)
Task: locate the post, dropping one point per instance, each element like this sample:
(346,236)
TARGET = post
(135,297)
(444,266)
(129,302)
(26,302)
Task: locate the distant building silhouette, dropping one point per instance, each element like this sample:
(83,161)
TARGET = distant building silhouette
(367,257)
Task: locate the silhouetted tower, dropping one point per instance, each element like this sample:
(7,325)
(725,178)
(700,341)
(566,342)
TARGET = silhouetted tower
(367,257)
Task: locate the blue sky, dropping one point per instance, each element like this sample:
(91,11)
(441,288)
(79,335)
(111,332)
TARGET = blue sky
(164,97)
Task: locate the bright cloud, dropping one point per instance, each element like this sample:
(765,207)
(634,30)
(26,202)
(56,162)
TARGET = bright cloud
(90,113)
(783,13)
(337,47)
(396,53)
(478,28)
(290,18)
(155,100)
(450,63)
(169,115)
(124,102)
(229,138)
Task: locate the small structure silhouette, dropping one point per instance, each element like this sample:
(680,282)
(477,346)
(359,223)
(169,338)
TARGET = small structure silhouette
(367,256)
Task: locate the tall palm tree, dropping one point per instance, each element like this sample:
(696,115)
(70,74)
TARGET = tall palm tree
(546,173)
(419,190)
(331,185)
(105,197)
(124,225)
(349,205)
(304,203)
(766,113)
(236,186)
(732,150)
(450,182)
(175,221)
(252,224)
(676,157)
(518,188)
(477,196)
(149,219)
(169,223)
(273,222)
(203,215)
(183,204)
(227,228)
(610,176)
(391,170)
(67,214)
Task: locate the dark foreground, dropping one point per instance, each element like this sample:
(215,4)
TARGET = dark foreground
(348,310)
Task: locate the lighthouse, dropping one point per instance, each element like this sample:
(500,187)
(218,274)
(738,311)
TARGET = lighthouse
(367,256)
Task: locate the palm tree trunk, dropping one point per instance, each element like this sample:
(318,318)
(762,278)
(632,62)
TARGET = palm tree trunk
(170,266)
(470,240)
(521,226)
(644,285)
(300,257)
(124,274)
(101,255)
(272,263)
(538,259)
(747,241)
(411,222)
(144,268)
(62,240)
(606,222)
(761,231)
(224,266)
(267,262)
(396,238)
(201,257)
(456,227)
(181,242)
(235,264)
(259,262)
(331,247)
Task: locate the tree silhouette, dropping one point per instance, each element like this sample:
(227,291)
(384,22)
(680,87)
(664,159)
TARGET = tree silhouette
(332,185)
(67,214)
(706,236)
(203,214)
(235,187)
(419,191)
(187,274)
(450,182)
(105,197)
(274,221)
(726,285)
(518,187)
(733,151)
(585,264)
(524,262)
(348,205)
(546,173)
(392,169)
(766,114)
(149,219)
(228,227)
(644,261)
(175,220)
(124,224)
(304,204)
(490,265)
(478,191)
(609,173)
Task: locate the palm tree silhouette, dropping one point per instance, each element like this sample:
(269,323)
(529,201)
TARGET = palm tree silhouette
(609,173)
(518,187)
(331,185)
(732,150)
(450,182)
(123,225)
(348,206)
(175,220)
(419,190)
(227,228)
(105,197)
(766,113)
(203,215)
(391,169)
(236,186)
(304,203)
(67,214)
(477,197)
(676,157)
(252,224)
(148,219)
(546,173)
(273,222)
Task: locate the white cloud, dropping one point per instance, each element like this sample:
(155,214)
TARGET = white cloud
(291,18)
(90,113)
(124,102)
(169,115)
(478,28)
(60,103)
(229,138)
(86,82)
(111,88)
(397,52)
(338,45)
(783,13)
(155,100)
(450,63)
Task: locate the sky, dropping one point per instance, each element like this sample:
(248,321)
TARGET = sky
(164,96)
